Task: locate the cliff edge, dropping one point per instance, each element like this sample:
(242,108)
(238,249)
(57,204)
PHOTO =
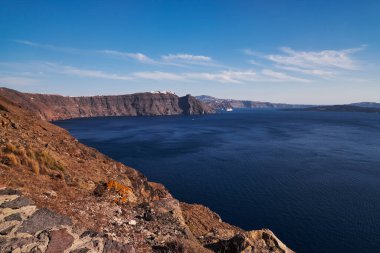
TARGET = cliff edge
(56,107)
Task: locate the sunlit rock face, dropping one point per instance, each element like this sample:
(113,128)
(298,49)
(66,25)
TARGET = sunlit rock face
(56,107)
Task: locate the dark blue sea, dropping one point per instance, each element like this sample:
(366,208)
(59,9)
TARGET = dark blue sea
(313,178)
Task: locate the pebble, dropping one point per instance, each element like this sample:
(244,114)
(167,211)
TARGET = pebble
(132,222)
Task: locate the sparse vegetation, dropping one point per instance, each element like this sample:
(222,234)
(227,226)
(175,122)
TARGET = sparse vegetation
(10,159)
(37,161)
(47,160)
(33,164)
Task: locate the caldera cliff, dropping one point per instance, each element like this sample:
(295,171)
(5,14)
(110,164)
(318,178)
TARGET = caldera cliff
(56,107)
(58,195)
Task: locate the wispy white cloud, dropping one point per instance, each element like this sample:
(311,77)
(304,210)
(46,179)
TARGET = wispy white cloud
(227,76)
(323,64)
(250,52)
(254,62)
(159,75)
(70,70)
(223,76)
(47,46)
(339,59)
(93,73)
(16,80)
(219,76)
(188,59)
(326,74)
(179,60)
(280,76)
(136,56)
(289,65)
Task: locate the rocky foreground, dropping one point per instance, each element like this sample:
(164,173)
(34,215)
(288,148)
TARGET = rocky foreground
(56,107)
(58,195)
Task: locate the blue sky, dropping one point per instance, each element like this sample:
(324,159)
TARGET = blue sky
(321,52)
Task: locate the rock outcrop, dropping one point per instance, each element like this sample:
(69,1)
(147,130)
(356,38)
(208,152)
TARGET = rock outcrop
(26,228)
(58,195)
(56,107)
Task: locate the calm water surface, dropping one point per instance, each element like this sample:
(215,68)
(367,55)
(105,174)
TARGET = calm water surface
(313,178)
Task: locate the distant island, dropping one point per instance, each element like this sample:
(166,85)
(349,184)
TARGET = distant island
(338,108)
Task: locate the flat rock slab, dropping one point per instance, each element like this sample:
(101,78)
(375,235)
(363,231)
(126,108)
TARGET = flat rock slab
(17,203)
(117,247)
(8,191)
(60,240)
(6,229)
(14,243)
(43,219)
(15,216)
(81,250)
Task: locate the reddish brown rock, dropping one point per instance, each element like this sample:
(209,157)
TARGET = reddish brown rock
(17,203)
(60,240)
(117,247)
(55,107)
(43,219)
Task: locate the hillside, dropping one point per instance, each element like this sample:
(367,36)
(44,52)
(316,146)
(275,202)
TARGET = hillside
(56,107)
(223,104)
(58,195)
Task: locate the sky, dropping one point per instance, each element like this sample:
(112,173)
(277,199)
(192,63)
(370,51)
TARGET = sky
(309,52)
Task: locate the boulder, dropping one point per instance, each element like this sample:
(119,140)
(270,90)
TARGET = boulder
(43,219)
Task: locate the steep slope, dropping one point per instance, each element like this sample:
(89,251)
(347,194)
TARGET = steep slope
(72,195)
(219,103)
(55,107)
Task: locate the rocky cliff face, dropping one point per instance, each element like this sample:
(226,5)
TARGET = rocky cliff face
(223,104)
(58,195)
(55,107)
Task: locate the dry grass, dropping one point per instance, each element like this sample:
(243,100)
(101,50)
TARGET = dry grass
(10,159)
(37,161)
(33,164)
(47,161)
(31,154)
